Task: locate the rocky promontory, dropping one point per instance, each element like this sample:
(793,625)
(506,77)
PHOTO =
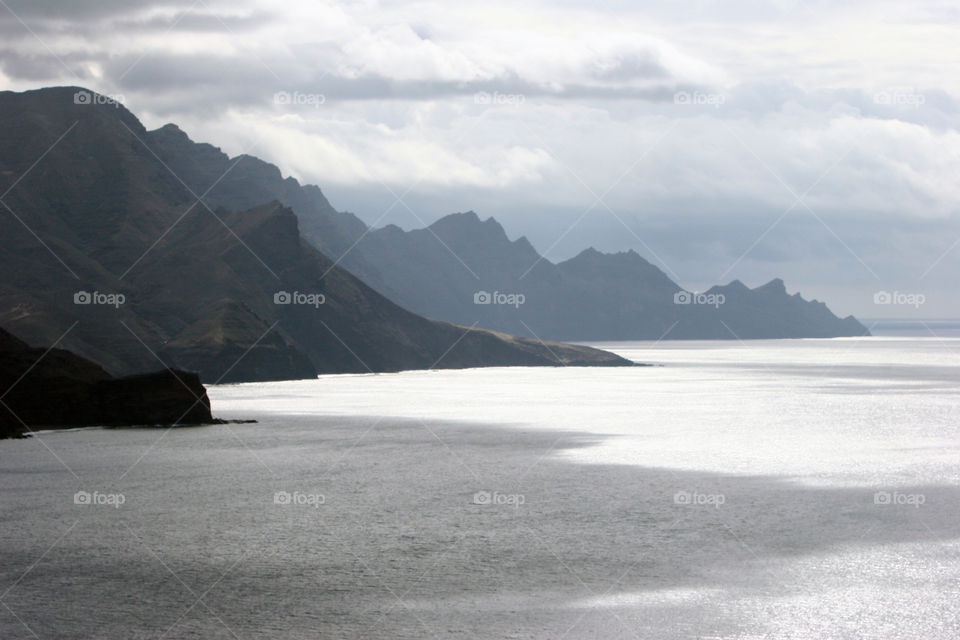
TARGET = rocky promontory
(43,389)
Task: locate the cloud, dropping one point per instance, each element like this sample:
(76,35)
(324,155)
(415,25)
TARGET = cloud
(80,11)
(683,131)
(359,59)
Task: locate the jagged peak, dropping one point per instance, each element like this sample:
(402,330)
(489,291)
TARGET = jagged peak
(171,133)
(736,284)
(174,131)
(458,218)
(594,254)
(248,162)
(589,252)
(774,286)
(469,221)
(246,157)
(524,242)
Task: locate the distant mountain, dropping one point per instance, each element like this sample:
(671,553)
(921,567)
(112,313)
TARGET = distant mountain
(593,296)
(436,271)
(104,233)
(54,388)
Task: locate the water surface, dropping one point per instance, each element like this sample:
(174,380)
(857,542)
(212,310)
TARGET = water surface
(775,489)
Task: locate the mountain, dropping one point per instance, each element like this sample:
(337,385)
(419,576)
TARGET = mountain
(107,245)
(593,296)
(437,271)
(46,388)
(246,181)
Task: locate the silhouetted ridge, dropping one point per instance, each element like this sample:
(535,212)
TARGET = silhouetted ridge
(437,271)
(226,287)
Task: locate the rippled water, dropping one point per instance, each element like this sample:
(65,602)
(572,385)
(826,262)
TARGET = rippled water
(795,489)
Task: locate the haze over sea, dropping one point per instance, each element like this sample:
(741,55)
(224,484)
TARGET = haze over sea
(765,489)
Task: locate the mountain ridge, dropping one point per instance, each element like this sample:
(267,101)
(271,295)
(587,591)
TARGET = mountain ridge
(205,287)
(436,270)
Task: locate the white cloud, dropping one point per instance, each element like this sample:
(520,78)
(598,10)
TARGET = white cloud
(589,93)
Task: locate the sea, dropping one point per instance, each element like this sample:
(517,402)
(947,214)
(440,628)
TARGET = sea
(757,489)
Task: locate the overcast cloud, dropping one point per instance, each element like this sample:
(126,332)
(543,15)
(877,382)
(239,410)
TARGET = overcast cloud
(807,140)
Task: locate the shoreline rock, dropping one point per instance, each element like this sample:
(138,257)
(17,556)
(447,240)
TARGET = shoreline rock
(44,389)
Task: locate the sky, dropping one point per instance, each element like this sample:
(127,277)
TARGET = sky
(812,141)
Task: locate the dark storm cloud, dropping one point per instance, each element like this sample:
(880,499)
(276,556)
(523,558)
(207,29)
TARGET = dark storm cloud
(39,68)
(254,79)
(31,19)
(80,11)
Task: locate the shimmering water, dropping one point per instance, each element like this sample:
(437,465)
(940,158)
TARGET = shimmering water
(797,489)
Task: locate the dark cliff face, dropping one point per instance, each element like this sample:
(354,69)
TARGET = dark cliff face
(55,388)
(244,182)
(436,271)
(113,212)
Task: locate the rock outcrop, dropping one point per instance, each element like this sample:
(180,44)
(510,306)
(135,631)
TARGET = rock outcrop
(43,389)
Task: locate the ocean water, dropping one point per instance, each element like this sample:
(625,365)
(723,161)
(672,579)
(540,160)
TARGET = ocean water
(769,489)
